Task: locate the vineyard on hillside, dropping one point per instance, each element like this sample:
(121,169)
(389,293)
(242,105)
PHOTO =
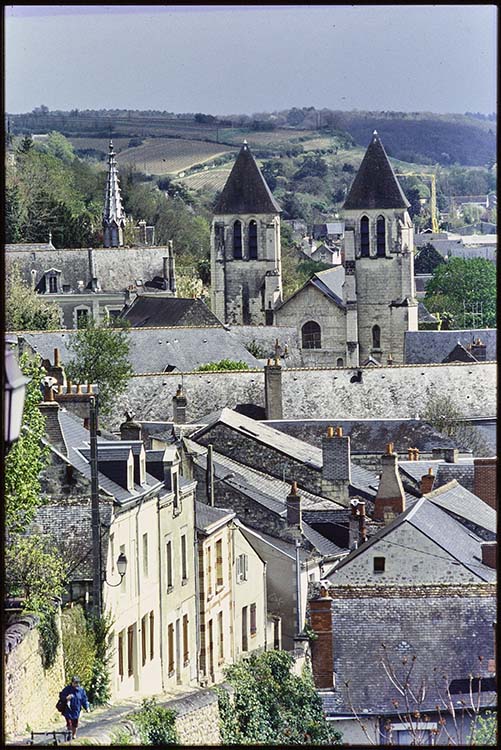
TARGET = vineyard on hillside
(206,179)
(170,155)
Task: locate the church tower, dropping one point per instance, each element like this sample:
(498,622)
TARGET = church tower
(379,263)
(246,273)
(113,215)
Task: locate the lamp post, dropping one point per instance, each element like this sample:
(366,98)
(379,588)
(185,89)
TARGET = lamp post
(14,392)
(121,569)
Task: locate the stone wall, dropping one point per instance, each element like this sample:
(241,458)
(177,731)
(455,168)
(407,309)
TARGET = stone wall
(31,692)
(391,391)
(197,718)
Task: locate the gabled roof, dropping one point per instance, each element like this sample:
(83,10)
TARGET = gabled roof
(329,282)
(375,184)
(459,354)
(438,526)
(149,310)
(246,191)
(457,500)
(209,519)
(423,347)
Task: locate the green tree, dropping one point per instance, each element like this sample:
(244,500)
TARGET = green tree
(427,259)
(13,214)
(34,571)
(464,288)
(25,310)
(271,705)
(156,725)
(223,364)
(101,356)
(444,414)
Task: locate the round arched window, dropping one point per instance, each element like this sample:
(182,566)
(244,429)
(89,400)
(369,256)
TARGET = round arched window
(311,337)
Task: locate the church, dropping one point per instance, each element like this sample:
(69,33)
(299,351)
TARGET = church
(352,315)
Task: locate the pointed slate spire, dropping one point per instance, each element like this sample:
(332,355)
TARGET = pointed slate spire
(246,191)
(113,214)
(375,185)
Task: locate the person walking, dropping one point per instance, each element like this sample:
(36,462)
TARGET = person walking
(75,697)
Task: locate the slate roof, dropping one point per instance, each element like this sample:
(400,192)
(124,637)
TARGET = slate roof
(375,184)
(246,191)
(154,310)
(369,435)
(153,350)
(29,247)
(433,346)
(310,455)
(446,633)
(459,354)
(209,518)
(329,282)
(286,548)
(456,499)
(423,315)
(449,535)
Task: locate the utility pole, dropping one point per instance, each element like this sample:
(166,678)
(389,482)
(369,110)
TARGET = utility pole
(298,589)
(210,475)
(96,523)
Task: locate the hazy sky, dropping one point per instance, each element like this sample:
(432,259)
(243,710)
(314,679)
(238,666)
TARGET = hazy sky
(234,59)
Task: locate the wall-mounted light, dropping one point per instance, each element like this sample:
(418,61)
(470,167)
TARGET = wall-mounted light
(121,568)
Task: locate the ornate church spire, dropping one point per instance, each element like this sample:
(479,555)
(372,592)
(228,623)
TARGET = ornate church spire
(113,215)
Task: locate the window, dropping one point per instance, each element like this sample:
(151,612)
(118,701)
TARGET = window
(379,564)
(168,551)
(209,571)
(253,620)
(152,634)
(311,336)
(82,316)
(220,636)
(376,337)
(364,237)
(121,655)
(253,240)
(145,555)
(130,477)
(237,239)
(170,648)
(186,646)
(339,362)
(130,650)
(53,284)
(380,237)
(144,626)
(241,568)
(245,644)
(184,567)
(219,563)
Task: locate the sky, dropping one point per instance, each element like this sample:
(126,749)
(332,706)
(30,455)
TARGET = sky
(248,59)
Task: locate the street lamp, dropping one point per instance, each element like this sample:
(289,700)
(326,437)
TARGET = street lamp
(121,568)
(14,392)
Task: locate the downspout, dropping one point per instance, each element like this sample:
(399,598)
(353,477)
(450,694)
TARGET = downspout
(265,584)
(161,594)
(225,285)
(197,594)
(232,587)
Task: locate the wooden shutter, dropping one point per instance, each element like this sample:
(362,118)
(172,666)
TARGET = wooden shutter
(186,647)
(152,634)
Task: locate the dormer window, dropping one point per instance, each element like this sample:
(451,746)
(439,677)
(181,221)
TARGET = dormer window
(237,239)
(381,237)
(364,237)
(130,476)
(253,240)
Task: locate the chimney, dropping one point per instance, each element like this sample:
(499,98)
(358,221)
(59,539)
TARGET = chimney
(94,285)
(172,269)
(357,528)
(50,409)
(273,389)
(166,271)
(390,498)
(55,370)
(426,483)
(451,455)
(489,554)
(179,406)
(484,480)
(479,350)
(322,648)
(294,516)
(336,466)
(410,454)
(130,430)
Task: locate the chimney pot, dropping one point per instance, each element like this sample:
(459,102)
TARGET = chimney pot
(426,482)
(339,432)
(489,554)
(410,454)
(57,362)
(330,432)
(389,448)
(294,488)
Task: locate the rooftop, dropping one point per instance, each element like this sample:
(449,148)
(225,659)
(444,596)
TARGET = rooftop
(246,191)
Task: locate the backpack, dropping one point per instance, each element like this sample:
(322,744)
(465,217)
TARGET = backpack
(61,706)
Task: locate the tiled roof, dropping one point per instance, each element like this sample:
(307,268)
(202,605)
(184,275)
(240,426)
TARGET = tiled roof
(375,184)
(155,349)
(454,498)
(330,282)
(208,517)
(433,346)
(246,191)
(154,310)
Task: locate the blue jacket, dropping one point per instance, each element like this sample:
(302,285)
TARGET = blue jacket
(78,699)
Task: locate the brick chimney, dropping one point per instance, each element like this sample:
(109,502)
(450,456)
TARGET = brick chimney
(179,402)
(294,515)
(94,283)
(450,455)
(426,483)
(390,498)
(130,430)
(336,466)
(490,554)
(50,411)
(322,649)
(478,349)
(273,389)
(484,480)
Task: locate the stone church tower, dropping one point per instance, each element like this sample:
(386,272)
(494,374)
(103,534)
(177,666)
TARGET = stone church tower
(379,290)
(246,274)
(113,214)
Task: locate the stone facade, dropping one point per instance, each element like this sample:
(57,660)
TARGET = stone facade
(197,718)
(396,391)
(31,692)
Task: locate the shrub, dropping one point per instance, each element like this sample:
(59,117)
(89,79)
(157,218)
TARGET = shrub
(79,645)
(156,724)
(223,364)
